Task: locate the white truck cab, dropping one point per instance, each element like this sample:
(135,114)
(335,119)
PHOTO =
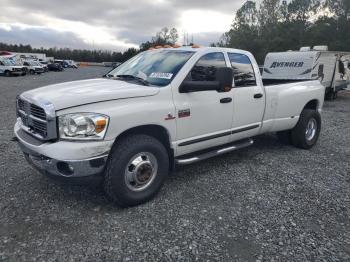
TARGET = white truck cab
(163,107)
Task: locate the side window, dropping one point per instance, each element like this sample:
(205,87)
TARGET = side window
(243,71)
(206,66)
(26,64)
(1,63)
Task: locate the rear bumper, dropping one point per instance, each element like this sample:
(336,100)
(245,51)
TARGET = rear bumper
(56,158)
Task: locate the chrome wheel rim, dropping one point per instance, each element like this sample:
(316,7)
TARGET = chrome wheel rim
(141,171)
(311,129)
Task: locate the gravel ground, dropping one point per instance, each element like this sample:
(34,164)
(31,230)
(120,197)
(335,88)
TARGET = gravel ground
(269,202)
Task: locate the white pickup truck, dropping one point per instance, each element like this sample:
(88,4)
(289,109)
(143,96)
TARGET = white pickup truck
(163,107)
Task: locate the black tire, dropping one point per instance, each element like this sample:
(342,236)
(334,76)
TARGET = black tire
(32,72)
(298,133)
(115,183)
(284,137)
(7,73)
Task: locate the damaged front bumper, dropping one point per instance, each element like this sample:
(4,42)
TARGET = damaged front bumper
(64,158)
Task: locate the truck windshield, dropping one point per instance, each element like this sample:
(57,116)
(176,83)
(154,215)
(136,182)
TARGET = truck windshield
(155,67)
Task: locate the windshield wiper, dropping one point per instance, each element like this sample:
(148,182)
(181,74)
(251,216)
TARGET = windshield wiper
(141,80)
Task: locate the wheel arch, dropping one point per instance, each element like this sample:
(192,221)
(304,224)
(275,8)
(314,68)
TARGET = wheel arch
(158,132)
(312,104)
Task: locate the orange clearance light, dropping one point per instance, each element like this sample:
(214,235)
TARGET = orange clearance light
(195,46)
(151,48)
(177,46)
(100,125)
(158,47)
(167,46)
(227,88)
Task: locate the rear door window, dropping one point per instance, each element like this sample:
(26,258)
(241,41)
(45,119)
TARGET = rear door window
(242,70)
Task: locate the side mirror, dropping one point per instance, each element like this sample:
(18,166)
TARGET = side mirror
(224,76)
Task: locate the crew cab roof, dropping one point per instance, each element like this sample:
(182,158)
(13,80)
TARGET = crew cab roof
(206,49)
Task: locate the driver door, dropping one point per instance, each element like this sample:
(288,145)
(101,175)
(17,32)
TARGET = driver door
(204,118)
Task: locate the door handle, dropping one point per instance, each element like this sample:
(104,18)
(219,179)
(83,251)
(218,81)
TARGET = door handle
(258,95)
(225,100)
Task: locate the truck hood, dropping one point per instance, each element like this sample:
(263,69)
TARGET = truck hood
(82,92)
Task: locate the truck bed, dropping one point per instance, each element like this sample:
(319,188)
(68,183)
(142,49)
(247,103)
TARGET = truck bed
(270,82)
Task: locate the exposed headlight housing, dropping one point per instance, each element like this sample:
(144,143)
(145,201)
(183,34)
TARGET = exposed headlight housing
(83,126)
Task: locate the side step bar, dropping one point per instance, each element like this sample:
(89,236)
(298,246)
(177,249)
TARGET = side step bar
(193,158)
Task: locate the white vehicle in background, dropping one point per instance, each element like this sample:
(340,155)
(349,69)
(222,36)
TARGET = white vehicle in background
(71,64)
(160,108)
(8,68)
(31,56)
(43,65)
(330,67)
(33,67)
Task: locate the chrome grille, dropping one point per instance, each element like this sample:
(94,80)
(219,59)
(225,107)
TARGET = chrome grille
(21,104)
(39,128)
(35,121)
(37,112)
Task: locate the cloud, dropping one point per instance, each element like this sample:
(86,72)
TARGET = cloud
(112,24)
(44,37)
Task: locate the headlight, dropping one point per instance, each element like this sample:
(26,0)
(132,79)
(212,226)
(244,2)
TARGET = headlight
(83,126)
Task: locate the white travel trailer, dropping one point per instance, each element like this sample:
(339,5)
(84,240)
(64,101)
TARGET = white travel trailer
(331,67)
(31,56)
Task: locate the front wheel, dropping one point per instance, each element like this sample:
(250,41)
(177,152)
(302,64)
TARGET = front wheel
(136,169)
(305,134)
(7,73)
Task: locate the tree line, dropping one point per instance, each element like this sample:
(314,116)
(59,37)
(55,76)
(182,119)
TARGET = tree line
(276,25)
(73,54)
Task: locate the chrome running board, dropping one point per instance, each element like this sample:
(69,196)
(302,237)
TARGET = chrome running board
(193,157)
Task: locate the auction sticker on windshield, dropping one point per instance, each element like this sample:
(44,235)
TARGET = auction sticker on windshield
(161,75)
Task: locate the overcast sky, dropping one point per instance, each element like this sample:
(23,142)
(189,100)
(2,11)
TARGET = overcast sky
(111,24)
